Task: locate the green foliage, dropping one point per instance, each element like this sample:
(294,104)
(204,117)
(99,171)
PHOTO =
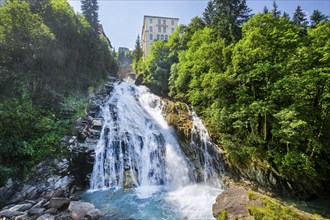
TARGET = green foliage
(26,136)
(226,18)
(47,53)
(90,10)
(137,56)
(158,65)
(265,96)
(317,17)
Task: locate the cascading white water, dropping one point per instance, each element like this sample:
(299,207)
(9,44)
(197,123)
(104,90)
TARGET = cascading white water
(200,140)
(138,149)
(136,146)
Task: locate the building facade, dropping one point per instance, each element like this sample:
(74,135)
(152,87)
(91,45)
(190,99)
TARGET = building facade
(156,28)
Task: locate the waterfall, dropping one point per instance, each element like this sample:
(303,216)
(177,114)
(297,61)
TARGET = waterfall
(140,166)
(209,155)
(136,147)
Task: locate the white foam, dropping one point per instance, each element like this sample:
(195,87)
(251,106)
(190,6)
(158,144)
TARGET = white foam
(194,201)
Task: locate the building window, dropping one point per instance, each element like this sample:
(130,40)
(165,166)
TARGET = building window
(164,29)
(151,37)
(159,29)
(172,22)
(166,37)
(172,30)
(157,36)
(162,37)
(150,20)
(164,22)
(159,21)
(150,29)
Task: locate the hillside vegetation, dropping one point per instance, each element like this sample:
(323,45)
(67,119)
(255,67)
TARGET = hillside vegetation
(50,60)
(261,83)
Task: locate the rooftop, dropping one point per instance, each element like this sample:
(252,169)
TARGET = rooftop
(153,16)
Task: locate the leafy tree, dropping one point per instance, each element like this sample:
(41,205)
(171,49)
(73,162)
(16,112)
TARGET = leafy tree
(317,17)
(90,9)
(158,66)
(47,53)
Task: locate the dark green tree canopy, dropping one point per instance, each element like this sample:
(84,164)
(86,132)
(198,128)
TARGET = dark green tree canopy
(227,17)
(299,17)
(138,53)
(90,9)
(317,17)
(209,13)
(276,12)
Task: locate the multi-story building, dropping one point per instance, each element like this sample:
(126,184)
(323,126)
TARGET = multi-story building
(156,28)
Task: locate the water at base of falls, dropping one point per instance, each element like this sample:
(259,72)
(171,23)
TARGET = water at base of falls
(189,202)
(138,149)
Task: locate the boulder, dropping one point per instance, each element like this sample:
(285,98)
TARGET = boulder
(51,211)
(232,201)
(30,192)
(36,211)
(21,207)
(22,217)
(59,203)
(40,203)
(97,122)
(93,214)
(46,217)
(78,210)
(10,214)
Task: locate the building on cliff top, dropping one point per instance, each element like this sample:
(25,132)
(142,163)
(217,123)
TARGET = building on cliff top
(156,28)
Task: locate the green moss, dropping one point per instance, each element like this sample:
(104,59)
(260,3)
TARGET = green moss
(222,215)
(273,209)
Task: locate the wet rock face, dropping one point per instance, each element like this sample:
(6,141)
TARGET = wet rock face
(83,145)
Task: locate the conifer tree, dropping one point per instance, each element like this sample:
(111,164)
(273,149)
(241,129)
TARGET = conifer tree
(228,17)
(286,15)
(137,54)
(299,17)
(90,9)
(265,11)
(276,12)
(208,14)
(317,17)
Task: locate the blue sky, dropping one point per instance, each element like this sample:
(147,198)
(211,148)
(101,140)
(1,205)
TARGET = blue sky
(122,19)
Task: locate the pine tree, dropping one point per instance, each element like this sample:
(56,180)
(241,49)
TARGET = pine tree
(299,17)
(229,16)
(137,54)
(286,15)
(90,9)
(265,11)
(208,14)
(317,17)
(276,12)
